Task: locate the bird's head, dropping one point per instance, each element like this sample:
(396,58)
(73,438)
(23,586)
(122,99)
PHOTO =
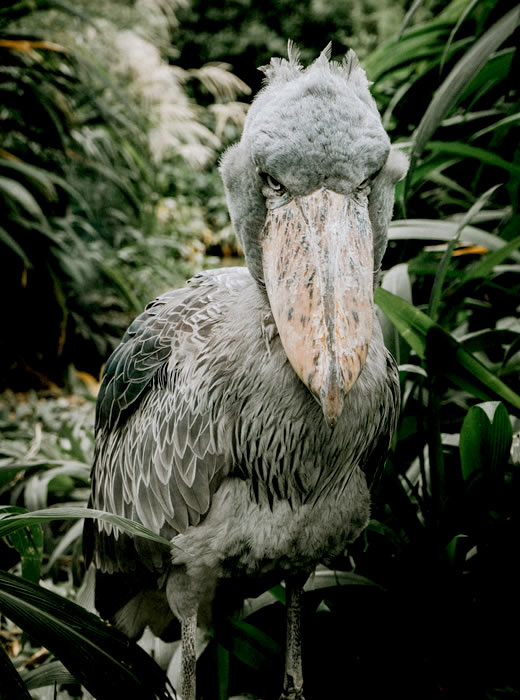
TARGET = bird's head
(310,189)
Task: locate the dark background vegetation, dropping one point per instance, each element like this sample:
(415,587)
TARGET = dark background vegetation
(113,117)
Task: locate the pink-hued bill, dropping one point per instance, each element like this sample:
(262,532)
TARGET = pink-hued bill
(318,272)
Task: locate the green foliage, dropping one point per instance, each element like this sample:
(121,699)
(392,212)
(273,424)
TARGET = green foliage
(54,471)
(246,36)
(485,439)
(444,520)
(435,571)
(99,657)
(98,129)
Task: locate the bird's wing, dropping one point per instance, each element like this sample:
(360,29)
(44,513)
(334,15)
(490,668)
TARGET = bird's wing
(158,458)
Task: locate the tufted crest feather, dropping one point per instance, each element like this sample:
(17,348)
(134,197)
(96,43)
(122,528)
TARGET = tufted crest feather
(293,53)
(282,70)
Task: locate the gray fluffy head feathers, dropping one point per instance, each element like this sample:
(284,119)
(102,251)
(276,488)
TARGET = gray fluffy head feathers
(310,127)
(281,70)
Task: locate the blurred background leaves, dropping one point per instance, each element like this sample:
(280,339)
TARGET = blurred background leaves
(114,116)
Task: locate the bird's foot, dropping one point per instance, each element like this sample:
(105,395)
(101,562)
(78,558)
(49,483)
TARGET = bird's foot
(292,694)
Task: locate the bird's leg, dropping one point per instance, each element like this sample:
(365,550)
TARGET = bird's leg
(190,591)
(293,677)
(189,656)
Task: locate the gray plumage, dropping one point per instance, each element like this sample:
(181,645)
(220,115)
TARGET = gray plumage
(205,432)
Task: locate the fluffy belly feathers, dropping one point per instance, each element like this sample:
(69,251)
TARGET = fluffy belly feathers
(243,537)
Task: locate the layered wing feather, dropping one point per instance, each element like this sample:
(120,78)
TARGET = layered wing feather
(158,459)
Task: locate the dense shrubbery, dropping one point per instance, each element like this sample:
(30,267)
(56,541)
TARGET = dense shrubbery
(427,596)
(100,137)
(247,36)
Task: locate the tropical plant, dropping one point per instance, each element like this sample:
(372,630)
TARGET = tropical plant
(246,37)
(445,521)
(91,144)
(427,596)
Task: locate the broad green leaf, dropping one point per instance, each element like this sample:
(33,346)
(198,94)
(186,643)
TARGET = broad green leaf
(464,71)
(397,281)
(28,542)
(411,323)
(9,523)
(329,578)
(102,659)
(12,685)
(446,355)
(47,674)
(485,438)
(433,230)
(456,549)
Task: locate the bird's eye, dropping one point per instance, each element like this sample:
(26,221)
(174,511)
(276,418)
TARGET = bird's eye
(274,184)
(369,180)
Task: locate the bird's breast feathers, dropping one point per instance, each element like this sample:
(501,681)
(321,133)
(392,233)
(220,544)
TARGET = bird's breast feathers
(206,434)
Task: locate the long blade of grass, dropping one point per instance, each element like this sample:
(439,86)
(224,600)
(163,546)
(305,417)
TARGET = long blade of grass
(249,644)
(13,190)
(425,43)
(409,15)
(464,71)
(10,522)
(511,119)
(435,296)
(464,150)
(455,29)
(412,324)
(433,230)
(485,266)
(38,176)
(397,281)
(452,360)
(9,241)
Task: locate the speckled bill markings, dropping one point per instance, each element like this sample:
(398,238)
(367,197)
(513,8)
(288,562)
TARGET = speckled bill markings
(318,272)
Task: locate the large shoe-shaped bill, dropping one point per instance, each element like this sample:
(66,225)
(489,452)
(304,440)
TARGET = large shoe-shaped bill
(318,271)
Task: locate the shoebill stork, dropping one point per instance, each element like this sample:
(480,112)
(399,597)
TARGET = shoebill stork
(245,416)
